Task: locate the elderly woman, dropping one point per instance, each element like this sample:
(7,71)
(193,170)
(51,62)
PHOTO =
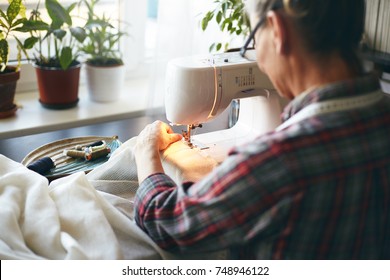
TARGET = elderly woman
(318,187)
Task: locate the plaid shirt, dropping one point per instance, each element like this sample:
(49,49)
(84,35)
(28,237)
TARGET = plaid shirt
(319,189)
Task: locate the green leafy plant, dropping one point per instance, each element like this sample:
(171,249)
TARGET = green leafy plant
(58,41)
(230,17)
(101,46)
(11,23)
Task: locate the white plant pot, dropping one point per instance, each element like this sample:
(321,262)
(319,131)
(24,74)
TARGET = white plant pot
(105,83)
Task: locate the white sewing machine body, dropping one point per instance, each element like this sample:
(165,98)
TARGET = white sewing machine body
(198,89)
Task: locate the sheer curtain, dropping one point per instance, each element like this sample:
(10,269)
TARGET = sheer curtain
(133,15)
(179,34)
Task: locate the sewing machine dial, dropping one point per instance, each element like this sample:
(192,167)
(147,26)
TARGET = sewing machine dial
(224,59)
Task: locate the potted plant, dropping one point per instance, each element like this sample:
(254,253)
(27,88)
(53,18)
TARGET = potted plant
(56,62)
(105,69)
(11,22)
(231,18)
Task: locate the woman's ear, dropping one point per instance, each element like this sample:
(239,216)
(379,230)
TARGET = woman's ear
(279,32)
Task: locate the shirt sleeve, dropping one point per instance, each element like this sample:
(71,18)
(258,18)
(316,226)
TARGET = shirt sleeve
(226,208)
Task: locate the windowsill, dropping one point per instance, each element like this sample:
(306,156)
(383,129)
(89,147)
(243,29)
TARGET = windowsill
(32,118)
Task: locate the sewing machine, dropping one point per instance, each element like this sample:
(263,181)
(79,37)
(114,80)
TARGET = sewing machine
(200,88)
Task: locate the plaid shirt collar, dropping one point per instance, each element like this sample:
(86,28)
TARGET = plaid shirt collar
(357,86)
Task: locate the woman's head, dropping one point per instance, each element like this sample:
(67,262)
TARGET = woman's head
(305,43)
(325,25)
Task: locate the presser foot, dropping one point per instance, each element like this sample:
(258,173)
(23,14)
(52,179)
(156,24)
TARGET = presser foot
(187,134)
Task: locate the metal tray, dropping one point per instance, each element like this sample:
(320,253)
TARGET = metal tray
(65,165)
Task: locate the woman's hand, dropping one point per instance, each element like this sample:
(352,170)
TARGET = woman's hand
(153,138)
(157,135)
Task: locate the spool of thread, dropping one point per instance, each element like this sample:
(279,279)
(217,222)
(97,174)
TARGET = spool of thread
(96,148)
(91,155)
(74,153)
(97,143)
(94,144)
(42,165)
(78,147)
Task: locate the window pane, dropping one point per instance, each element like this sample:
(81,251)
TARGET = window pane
(110,8)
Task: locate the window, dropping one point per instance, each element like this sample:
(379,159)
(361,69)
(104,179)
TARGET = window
(152,38)
(135,20)
(109,7)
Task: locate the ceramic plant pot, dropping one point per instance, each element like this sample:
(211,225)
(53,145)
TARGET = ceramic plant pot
(8,81)
(58,89)
(105,83)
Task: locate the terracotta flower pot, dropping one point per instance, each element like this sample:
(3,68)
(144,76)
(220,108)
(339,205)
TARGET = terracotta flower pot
(58,89)
(8,82)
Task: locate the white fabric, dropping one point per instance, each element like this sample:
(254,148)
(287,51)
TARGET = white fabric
(67,220)
(183,163)
(81,216)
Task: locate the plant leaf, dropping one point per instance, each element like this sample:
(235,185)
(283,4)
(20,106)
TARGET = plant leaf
(212,46)
(219,17)
(18,22)
(206,19)
(22,11)
(3,15)
(57,13)
(13,10)
(4,52)
(59,33)
(30,42)
(71,7)
(66,58)
(97,23)
(79,33)
(32,25)
(224,7)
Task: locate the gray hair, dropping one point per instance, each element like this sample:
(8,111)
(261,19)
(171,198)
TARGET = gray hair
(259,7)
(325,25)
